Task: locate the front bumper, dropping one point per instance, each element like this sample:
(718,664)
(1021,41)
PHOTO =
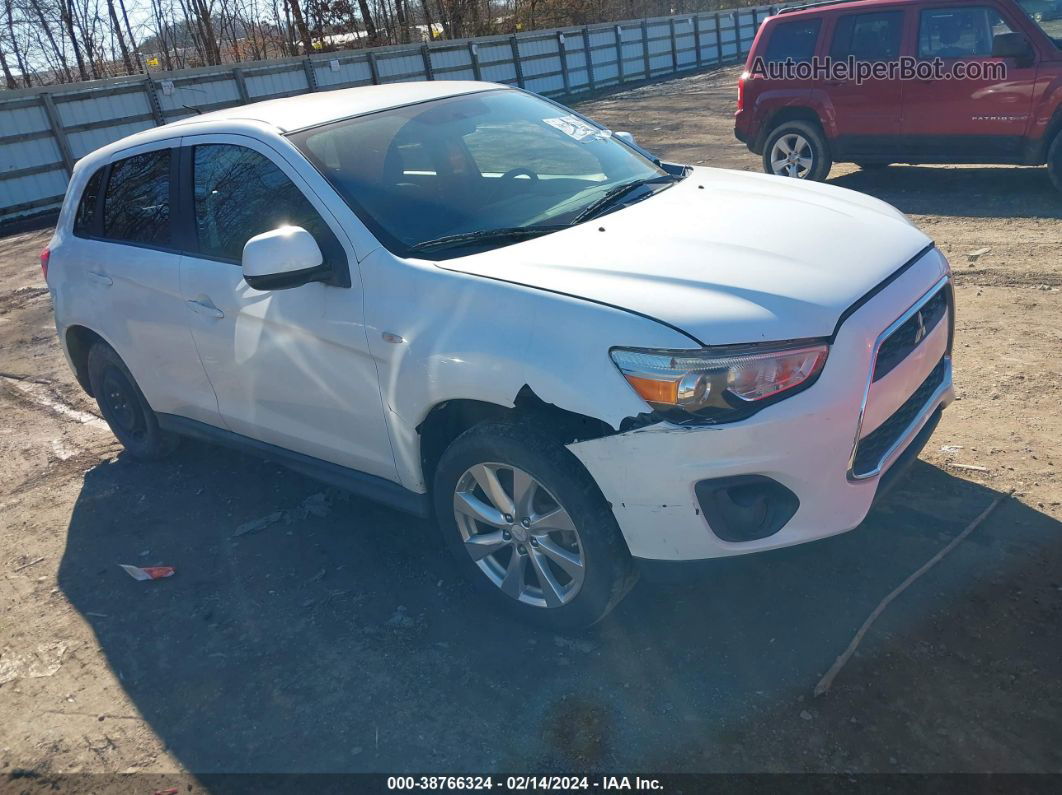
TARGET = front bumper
(805,443)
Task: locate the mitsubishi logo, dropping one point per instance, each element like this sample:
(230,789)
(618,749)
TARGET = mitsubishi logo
(920,334)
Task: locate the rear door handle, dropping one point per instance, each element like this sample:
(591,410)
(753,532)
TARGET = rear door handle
(205,307)
(101,278)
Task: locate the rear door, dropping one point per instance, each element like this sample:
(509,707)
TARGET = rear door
(866,112)
(290,367)
(974,119)
(129,266)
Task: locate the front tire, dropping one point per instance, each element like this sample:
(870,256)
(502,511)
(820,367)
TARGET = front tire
(124,406)
(529,528)
(797,149)
(1054,161)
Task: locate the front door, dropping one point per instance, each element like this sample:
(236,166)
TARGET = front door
(981,118)
(291,367)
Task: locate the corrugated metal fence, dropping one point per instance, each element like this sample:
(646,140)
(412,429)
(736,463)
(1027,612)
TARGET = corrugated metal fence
(44,131)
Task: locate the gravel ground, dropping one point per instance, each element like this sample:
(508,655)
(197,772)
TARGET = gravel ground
(340,639)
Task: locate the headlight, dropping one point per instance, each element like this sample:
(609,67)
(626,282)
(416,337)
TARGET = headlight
(720,384)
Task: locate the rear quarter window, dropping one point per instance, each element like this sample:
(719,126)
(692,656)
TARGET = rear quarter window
(795,40)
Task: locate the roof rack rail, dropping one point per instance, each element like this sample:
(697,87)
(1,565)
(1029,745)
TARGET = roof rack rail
(820,4)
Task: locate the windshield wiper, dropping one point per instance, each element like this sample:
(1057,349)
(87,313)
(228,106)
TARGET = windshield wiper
(614,194)
(511,234)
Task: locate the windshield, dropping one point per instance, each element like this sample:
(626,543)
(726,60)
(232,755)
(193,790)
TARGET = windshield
(477,170)
(1047,14)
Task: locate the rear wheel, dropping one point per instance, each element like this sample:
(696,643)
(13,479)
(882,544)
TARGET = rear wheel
(529,528)
(797,149)
(1054,161)
(124,407)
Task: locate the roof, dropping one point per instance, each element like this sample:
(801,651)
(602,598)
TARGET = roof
(842,6)
(309,110)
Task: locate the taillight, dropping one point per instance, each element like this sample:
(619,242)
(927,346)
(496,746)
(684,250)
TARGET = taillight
(46,255)
(741,90)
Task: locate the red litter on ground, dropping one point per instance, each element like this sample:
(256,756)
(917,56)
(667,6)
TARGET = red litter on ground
(148,572)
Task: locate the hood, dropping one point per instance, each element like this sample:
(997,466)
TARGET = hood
(725,256)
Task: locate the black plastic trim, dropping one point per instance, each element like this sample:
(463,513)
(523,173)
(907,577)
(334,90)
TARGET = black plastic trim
(896,274)
(775,502)
(894,474)
(370,487)
(291,279)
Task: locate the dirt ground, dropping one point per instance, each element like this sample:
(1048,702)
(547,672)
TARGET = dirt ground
(340,639)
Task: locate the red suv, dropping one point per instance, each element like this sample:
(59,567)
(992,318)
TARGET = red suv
(875,82)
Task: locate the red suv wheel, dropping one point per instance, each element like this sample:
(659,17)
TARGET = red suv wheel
(797,149)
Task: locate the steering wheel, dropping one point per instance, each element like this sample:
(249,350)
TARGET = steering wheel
(513,173)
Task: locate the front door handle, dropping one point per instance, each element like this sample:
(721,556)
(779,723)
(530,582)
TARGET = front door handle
(205,307)
(101,278)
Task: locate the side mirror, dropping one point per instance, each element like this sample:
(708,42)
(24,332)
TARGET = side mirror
(283,258)
(626,137)
(1013,45)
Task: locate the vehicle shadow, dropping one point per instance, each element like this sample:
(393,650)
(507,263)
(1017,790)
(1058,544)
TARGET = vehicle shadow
(340,639)
(998,192)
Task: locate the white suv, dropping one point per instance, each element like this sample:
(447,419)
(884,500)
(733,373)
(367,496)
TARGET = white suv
(465,300)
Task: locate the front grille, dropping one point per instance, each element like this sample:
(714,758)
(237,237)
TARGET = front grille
(898,345)
(873,447)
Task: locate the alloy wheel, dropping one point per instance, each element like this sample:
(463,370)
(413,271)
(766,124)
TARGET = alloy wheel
(792,156)
(519,535)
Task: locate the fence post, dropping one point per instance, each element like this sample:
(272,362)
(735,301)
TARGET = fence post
(737,35)
(241,85)
(674,46)
(697,39)
(516,61)
(473,55)
(425,54)
(718,38)
(619,53)
(645,49)
(562,51)
(58,132)
(588,56)
(311,75)
(153,101)
(373,70)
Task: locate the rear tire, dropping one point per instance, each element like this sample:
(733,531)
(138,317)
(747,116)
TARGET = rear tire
(514,563)
(124,406)
(798,150)
(1054,161)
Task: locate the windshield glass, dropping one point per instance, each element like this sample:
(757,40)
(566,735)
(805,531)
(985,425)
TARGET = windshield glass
(503,164)
(1048,15)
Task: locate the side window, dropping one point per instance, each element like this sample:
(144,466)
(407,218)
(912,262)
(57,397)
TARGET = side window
(85,218)
(239,194)
(136,206)
(959,32)
(868,37)
(794,40)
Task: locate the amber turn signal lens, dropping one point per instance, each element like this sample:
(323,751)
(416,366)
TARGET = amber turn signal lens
(654,392)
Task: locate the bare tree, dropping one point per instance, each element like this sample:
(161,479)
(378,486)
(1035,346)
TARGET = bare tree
(300,25)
